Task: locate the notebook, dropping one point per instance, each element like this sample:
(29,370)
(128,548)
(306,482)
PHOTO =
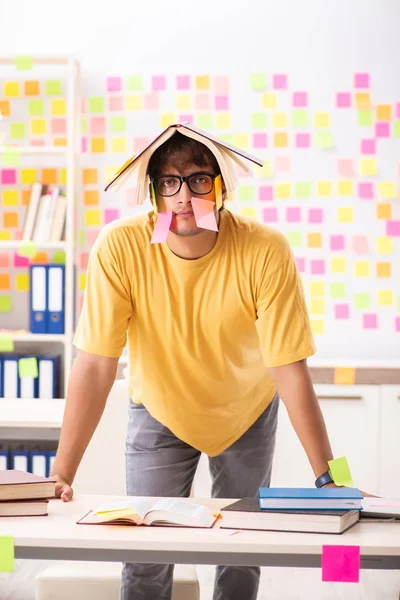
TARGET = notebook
(24,508)
(20,485)
(310,498)
(142,511)
(246,514)
(381,509)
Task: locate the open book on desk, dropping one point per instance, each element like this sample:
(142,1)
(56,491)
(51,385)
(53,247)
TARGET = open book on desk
(165,512)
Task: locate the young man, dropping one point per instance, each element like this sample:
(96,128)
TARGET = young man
(217,326)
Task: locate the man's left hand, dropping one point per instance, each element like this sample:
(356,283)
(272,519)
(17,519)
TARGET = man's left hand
(333,485)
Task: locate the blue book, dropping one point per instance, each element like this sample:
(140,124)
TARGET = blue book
(309,498)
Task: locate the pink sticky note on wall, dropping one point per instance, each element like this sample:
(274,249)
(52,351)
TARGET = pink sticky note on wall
(202,101)
(97,125)
(360,244)
(83,260)
(342,311)
(58,126)
(161,228)
(270,215)
(370,321)
(341,563)
(397,110)
(382,129)
(151,101)
(317,267)
(346,167)
(140,143)
(84,144)
(265,193)
(204,213)
(130,196)
(114,84)
(110,214)
(337,242)
(299,99)
(116,103)
(221,103)
(20,262)
(183,82)
(4,260)
(397,323)
(9,176)
(366,190)
(282,163)
(302,140)
(393,228)
(301,264)
(186,119)
(343,100)
(315,215)
(361,80)
(221,84)
(368,147)
(91,236)
(260,140)
(279,82)
(158,83)
(293,214)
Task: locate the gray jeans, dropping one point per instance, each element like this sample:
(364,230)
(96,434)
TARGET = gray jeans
(160,464)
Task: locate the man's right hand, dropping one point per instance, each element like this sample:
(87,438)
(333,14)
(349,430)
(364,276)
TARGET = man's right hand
(63,489)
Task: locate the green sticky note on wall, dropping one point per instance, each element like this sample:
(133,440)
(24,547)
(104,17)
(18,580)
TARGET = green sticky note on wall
(204,121)
(226,137)
(338,290)
(82,238)
(84,127)
(6,343)
(6,554)
(294,238)
(362,300)
(396,129)
(246,192)
(96,104)
(28,249)
(398,304)
(28,367)
(118,124)
(134,83)
(324,139)
(11,157)
(18,131)
(53,87)
(259,121)
(365,118)
(258,82)
(340,471)
(36,107)
(59,257)
(23,63)
(303,189)
(300,118)
(5,304)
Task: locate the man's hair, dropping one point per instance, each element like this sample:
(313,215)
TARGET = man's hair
(169,153)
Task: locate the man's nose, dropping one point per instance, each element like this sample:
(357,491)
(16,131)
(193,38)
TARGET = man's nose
(184,195)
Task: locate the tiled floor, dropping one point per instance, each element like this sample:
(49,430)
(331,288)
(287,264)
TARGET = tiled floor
(276,584)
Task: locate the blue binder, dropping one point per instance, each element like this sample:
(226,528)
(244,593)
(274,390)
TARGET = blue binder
(28,386)
(20,460)
(38,298)
(49,377)
(50,459)
(11,380)
(4,460)
(38,463)
(55,298)
(1,377)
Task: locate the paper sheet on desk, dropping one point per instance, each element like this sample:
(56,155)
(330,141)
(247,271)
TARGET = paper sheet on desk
(380,508)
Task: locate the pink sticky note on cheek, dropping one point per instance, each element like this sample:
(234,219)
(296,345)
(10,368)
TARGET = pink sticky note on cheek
(341,563)
(204,213)
(161,228)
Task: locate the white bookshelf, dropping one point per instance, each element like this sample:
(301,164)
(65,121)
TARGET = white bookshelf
(35,412)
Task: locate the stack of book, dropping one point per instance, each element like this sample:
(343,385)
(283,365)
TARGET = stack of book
(24,494)
(308,510)
(45,215)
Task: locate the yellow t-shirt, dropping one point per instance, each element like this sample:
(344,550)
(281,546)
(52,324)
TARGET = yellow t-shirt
(201,333)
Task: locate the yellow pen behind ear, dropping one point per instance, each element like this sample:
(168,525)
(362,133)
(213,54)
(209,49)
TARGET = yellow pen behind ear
(218,191)
(153,197)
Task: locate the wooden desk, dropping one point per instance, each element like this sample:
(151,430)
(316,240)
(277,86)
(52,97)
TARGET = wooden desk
(58,537)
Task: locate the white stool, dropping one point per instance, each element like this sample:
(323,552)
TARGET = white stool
(101,581)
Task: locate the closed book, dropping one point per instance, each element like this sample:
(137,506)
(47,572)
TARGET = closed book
(24,508)
(246,514)
(19,485)
(31,212)
(310,498)
(58,223)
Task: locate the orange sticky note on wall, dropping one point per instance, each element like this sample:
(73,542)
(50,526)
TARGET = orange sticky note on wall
(5,108)
(31,88)
(345,376)
(49,176)
(5,283)
(91,197)
(89,176)
(41,258)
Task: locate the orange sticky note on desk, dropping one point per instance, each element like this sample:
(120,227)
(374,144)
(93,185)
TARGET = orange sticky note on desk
(345,376)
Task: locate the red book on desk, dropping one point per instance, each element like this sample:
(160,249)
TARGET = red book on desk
(20,485)
(24,508)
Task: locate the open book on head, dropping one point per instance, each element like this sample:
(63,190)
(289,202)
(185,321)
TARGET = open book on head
(166,512)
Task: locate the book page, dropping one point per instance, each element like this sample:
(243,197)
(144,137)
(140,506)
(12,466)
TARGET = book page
(138,505)
(181,512)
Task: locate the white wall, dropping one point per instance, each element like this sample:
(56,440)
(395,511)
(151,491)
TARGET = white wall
(320,45)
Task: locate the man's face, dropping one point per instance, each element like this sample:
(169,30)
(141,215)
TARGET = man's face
(183,222)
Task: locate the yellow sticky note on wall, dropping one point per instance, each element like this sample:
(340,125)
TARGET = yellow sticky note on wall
(38,127)
(22,282)
(345,214)
(385,298)
(241,140)
(338,265)
(269,100)
(283,191)
(58,107)
(265,170)
(387,190)
(344,376)
(119,144)
(167,119)
(317,306)
(324,188)
(6,345)
(279,120)
(82,281)
(384,245)
(223,121)
(11,89)
(340,471)
(322,120)
(28,176)
(6,554)
(345,187)
(92,217)
(134,102)
(317,288)
(362,268)
(249,211)
(183,101)
(317,326)
(368,166)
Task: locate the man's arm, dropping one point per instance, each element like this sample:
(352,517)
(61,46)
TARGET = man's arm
(295,388)
(90,382)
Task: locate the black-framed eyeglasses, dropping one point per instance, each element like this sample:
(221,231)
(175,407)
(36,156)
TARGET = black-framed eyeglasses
(198,183)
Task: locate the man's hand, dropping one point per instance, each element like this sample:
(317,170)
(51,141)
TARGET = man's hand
(63,489)
(333,485)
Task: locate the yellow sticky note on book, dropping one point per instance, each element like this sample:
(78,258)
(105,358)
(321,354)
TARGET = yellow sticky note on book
(340,472)
(6,554)
(345,376)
